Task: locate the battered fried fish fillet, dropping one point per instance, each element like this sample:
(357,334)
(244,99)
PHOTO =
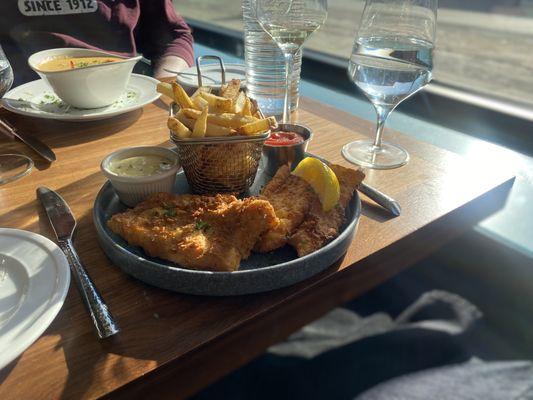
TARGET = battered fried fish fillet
(198,232)
(291,198)
(319,227)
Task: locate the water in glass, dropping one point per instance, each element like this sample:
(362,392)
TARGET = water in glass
(265,66)
(392,59)
(289,23)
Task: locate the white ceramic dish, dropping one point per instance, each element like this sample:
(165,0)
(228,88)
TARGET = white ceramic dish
(211,75)
(134,189)
(94,86)
(36,99)
(34,280)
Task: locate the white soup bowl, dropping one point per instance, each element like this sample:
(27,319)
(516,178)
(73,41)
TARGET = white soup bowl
(94,86)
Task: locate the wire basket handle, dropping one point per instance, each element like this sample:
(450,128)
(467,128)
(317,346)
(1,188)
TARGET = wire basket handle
(209,57)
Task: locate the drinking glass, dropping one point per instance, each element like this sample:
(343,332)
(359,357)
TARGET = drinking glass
(12,166)
(392,58)
(290,23)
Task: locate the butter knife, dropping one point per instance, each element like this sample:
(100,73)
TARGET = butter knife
(40,148)
(381,198)
(64,224)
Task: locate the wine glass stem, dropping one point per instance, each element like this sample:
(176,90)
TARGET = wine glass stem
(382,114)
(288,74)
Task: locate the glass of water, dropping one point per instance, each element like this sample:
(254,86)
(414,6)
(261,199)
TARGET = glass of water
(392,58)
(290,23)
(12,166)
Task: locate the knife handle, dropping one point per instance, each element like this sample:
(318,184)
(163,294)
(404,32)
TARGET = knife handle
(381,198)
(103,320)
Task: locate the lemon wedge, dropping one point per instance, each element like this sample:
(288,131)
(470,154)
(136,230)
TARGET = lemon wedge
(322,179)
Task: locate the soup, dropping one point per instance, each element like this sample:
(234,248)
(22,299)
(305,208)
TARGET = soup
(66,63)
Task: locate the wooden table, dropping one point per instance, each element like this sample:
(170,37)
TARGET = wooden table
(173,345)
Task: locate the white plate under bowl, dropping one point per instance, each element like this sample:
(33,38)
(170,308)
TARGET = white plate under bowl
(211,75)
(37,99)
(34,280)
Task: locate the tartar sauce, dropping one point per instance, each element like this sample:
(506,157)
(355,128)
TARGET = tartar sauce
(140,165)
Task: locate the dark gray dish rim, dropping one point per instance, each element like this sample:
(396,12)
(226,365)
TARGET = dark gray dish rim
(348,229)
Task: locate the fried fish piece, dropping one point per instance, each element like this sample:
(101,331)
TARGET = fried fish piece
(291,198)
(319,227)
(198,232)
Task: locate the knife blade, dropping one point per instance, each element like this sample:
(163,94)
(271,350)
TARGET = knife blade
(58,212)
(40,148)
(64,224)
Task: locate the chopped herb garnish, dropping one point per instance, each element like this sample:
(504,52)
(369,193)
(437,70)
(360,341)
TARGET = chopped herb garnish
(201,226)
(170,211)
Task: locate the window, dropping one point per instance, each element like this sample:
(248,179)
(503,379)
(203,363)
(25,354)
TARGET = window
(483,46)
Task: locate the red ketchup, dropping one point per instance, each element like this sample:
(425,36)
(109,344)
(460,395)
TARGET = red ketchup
(282,138)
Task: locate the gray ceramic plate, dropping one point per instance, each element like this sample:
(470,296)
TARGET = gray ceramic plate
(259,273)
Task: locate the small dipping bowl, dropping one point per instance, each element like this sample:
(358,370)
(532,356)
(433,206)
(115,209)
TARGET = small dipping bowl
(279,155)
(133,189)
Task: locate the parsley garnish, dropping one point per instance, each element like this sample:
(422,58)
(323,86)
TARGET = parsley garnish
(201,226)
(170,211)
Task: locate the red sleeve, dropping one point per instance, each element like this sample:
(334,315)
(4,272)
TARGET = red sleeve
(162,32)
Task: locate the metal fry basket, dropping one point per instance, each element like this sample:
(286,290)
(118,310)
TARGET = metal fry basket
(219,164)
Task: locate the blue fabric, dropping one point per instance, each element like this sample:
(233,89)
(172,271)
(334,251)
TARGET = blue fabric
(342,354)
(474,380)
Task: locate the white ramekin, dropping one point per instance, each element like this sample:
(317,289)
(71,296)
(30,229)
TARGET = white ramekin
(94,86)
(134,189)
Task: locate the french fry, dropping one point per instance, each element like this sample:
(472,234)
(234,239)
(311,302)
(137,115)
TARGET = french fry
(200,103)
(255,110)
(231,90)
(200,125)
(226,119)
(205,114)
(217,103)
(258,127)
(230,120)
(217,130)
(165,89)
(205,89)
(176,126)
(211,129)
(181,97)
(191,113)
(239,102)
(247,109)
(188,122)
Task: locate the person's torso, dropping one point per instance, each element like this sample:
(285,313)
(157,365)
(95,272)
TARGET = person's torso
(27,26)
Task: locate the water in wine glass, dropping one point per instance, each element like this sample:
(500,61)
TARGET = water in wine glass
(290,36)
(290,23)
(391,60)
(6,76)
(388,70)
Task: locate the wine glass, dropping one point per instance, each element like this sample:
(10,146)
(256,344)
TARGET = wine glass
(290,23)
(392,58)
(12,166)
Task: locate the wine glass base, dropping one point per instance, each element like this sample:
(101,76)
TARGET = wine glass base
(14,166)
(365,154)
